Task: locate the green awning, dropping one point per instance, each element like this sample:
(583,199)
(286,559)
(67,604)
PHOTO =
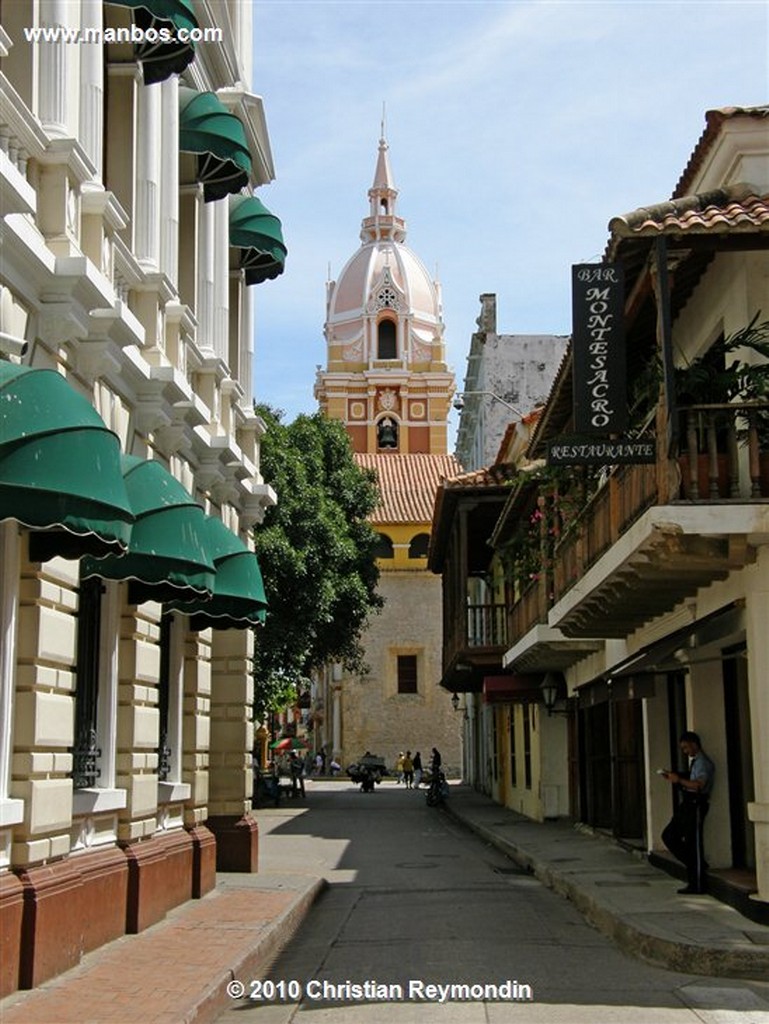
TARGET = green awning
(59,467)
(162,58)
(259,234)
(238,600)
(168,554)
(207,127)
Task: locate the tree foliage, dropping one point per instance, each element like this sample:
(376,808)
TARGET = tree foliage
(316,553)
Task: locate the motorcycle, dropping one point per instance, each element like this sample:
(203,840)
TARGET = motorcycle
(438,790)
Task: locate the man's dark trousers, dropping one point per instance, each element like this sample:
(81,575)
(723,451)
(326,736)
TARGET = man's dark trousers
(683,837)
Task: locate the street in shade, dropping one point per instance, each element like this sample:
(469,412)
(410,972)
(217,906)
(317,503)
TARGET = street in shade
(423,920)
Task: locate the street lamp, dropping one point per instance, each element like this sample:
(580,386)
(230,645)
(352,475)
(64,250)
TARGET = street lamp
(459,401)
(551,689)
(455,701)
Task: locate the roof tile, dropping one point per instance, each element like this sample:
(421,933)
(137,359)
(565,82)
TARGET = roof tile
(407,484)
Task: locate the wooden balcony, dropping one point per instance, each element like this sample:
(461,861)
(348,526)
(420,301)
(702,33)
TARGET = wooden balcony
(653,535)
(477,649)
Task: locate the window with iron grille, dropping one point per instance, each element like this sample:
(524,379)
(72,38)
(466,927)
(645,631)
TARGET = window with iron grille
(407,673)
(86,752)
(164,689)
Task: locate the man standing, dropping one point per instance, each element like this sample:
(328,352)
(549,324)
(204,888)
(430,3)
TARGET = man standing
(683,835)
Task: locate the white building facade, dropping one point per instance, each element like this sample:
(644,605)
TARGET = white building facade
(129,464)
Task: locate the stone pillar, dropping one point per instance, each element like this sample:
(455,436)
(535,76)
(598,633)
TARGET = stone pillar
(757,601)
(43,727)
(232,693)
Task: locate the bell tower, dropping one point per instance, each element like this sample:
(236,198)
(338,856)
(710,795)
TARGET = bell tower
(386,377)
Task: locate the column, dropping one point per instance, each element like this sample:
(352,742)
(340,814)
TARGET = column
(56,75)
(758,672)
(336,696)
(148,171)
(169,180)
(92,85)
(221,284)
(205,255)
(230,772)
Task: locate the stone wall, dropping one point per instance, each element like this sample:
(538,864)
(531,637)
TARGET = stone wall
(375,716)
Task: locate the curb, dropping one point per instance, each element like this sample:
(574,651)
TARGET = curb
(745,961)
(276,937)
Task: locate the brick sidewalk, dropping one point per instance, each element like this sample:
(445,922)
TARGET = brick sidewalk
(177,971)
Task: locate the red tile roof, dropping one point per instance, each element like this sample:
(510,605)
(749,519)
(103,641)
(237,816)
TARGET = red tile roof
(731,209)
(714,119)
(407,484)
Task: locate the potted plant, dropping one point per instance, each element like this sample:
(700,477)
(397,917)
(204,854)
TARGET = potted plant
(704,388)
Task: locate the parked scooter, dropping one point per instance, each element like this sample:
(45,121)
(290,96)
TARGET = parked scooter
(438,790)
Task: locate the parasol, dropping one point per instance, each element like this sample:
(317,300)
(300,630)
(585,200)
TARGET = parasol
(289,743)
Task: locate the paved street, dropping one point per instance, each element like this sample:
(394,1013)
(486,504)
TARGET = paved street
(415,900)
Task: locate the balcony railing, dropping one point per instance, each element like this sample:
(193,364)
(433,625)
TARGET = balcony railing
(486,625)
(721,460)
(730,463)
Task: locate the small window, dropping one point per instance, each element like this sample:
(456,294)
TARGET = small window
(419,545)
(407,673)
(384,547)
(386,346)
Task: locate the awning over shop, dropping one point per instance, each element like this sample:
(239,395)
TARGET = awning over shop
(238,599)
(59,467)
(168,556)
(207,127)
(512,688)
(259,234)
(163,57)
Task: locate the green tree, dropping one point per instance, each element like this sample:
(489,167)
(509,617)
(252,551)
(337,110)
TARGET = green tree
(316,553)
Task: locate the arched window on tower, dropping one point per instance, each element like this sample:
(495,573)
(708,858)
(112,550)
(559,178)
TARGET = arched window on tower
(387,433)
(383,207)
(386,346)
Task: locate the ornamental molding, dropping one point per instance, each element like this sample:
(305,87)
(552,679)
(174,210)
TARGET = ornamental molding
(388,400)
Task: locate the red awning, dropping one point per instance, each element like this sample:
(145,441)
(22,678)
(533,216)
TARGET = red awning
(518,688)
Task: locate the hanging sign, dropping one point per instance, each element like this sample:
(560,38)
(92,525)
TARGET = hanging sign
(598,348)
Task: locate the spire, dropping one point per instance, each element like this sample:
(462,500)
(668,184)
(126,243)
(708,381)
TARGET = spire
(382,221)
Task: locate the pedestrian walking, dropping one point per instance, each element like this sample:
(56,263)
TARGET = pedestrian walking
(417,769)
(296,771)
(683,834)
(399,766)
(408,770)
(436,760)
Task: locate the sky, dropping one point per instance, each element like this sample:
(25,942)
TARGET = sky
(516,131)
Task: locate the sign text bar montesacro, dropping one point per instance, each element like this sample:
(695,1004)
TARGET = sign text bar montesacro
(598,346)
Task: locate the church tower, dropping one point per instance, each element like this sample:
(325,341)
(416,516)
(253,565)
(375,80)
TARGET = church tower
(386,379)
(386,376)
